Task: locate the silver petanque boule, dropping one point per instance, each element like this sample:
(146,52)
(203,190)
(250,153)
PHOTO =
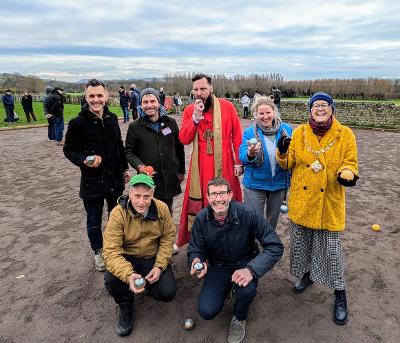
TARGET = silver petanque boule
(189,324)
(139,283)
(198,267)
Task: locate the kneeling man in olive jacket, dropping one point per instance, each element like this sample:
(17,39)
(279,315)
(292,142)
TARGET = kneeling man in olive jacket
(137,250)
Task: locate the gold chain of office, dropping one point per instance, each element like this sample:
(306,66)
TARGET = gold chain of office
(317,152)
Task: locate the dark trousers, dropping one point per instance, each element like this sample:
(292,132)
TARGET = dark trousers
(245,112)
(216,286)
(58,128)
(164,289)
(125,111)
(134,113)
(50,130)
(28,116)
(94,212)
(9,115)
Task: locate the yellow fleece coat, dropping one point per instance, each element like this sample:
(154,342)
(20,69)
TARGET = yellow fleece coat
(130,235)
(316,199)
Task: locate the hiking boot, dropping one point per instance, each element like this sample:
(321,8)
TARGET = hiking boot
(237,330)
(99,261)
(301,284)
(340,309)
(125,319)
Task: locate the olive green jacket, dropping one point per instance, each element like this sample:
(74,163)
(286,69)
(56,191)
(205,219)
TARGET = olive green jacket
(131,234)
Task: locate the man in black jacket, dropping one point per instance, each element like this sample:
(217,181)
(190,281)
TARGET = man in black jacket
(95,133)
(153,140)
(55,106)
(224,240)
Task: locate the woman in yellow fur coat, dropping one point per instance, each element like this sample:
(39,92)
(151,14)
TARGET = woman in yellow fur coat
(323,157)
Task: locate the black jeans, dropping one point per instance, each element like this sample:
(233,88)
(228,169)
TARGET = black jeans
(94,211)
(164,289)
(216,286)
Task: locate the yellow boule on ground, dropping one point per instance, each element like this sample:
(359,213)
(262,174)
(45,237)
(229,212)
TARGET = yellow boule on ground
(375,227)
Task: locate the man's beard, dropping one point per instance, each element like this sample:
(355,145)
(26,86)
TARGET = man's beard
(208,104)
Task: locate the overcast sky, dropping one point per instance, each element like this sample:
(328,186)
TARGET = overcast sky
(72,40)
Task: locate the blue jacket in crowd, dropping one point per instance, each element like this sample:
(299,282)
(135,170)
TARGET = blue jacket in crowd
(261,177)
(8,101)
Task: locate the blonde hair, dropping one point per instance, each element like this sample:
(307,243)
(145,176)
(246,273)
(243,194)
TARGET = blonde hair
(264,100)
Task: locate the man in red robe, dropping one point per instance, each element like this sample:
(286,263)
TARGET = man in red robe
(213,126)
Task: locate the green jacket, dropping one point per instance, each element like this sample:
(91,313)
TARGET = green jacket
(130,234)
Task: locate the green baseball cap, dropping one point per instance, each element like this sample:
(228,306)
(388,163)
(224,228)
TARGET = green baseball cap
(142,179)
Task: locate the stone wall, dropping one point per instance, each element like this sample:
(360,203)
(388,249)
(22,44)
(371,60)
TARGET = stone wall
(356,114)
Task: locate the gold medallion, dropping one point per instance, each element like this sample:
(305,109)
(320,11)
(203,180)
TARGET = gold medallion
(316,166)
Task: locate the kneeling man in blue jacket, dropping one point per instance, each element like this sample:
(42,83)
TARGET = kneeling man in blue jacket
(224,242)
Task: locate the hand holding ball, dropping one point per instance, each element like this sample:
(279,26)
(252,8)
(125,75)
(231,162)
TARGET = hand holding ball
(347,175)
(149,170)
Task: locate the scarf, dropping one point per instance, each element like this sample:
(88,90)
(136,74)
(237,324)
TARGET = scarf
(320,129)
(195,197)
(267,131)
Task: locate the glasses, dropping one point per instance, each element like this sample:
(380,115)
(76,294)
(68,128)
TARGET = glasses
(222,194)
(323,106)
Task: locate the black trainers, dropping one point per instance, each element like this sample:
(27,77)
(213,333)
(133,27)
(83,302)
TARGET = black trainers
(340,310)
(125,319)
(301,284)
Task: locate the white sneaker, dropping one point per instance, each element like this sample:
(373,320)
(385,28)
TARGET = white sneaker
(98,261)
(175,249)
(237,330)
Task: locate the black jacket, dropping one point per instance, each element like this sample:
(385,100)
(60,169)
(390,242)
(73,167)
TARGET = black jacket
(26,102)
(55,104)
(233,244)
(88,135)
(162,150)
(123,98)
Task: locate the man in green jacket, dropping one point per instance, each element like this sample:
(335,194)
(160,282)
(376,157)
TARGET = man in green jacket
(137,243)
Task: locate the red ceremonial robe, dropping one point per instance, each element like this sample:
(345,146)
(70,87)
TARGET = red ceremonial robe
(231,140)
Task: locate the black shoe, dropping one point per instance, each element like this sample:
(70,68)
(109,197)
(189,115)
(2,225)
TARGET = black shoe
(125,320)
(340,310)
(301,284)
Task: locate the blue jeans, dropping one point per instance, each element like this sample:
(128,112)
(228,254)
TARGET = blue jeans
(164,289)
(125,111)
(9,115)
(50,130)
(58,128)
(94,212)
(216,286)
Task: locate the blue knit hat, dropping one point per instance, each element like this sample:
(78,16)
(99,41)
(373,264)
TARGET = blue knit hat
(321,96)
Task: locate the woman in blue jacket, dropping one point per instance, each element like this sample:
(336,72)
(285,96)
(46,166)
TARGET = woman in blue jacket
(264,180)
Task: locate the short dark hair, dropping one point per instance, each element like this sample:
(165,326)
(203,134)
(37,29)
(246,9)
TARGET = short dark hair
(94,83)
(201,76)
(218,181)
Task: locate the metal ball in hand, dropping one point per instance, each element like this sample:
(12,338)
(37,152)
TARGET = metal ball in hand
(284,209)
(198,267)
(139,283)
(253,141)
(189,324)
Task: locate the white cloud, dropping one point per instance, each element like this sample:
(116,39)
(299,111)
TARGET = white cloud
(74,39)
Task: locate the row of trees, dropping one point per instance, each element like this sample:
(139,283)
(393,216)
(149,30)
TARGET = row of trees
(229,87)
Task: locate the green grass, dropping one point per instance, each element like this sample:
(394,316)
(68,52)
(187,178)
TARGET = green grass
(70,111)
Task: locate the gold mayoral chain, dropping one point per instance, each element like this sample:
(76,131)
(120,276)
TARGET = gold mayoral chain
(316,166)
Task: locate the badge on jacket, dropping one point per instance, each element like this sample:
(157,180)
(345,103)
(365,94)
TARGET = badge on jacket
(166,131)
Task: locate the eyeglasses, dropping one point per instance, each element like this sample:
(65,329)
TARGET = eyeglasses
(323,106)
(222,194)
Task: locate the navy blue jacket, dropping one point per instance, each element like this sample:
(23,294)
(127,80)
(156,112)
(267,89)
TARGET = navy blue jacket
(123,98)
(234,244)
(8,101)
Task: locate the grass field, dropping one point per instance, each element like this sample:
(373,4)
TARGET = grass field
(70,111)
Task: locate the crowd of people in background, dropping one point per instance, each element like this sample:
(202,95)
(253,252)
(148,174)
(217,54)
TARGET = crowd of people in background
(317,161)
